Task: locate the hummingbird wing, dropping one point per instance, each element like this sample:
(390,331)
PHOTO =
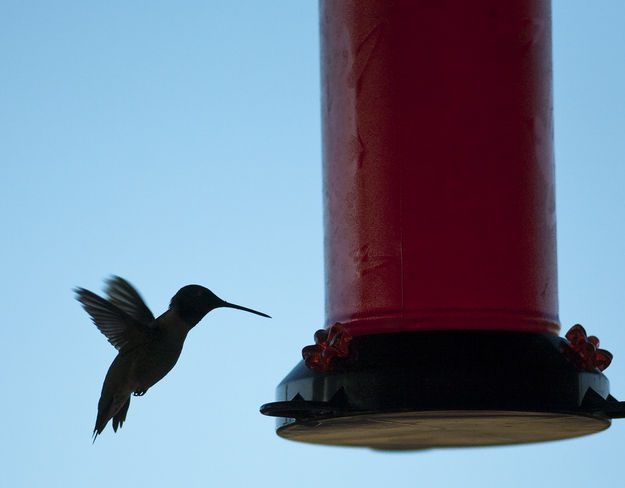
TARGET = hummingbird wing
(119,328)
(123,295)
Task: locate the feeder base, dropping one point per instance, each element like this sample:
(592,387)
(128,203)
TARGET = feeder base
(437,429)
(452,388)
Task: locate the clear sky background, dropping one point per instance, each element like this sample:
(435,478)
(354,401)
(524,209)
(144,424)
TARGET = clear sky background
(179,142)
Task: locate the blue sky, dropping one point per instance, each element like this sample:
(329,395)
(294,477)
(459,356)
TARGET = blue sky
(180,143)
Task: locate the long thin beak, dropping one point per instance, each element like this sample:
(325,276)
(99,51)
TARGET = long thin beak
(245,309)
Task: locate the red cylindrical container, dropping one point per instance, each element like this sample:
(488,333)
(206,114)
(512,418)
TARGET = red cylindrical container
(438,165)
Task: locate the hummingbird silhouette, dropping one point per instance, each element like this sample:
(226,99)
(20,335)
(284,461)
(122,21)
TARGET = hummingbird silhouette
(148,347)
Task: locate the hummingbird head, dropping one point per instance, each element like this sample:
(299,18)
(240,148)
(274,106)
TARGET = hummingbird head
(192,302)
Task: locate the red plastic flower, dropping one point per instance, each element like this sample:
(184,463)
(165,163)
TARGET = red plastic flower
(330,344)
(584,351)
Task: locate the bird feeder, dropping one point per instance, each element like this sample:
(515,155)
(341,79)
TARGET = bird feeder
(440,237)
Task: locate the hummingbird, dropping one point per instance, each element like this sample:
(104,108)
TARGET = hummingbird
(148,347)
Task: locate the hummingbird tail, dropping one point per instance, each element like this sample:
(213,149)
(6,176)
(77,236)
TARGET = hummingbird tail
(108,407)
(120,416)
(99,427)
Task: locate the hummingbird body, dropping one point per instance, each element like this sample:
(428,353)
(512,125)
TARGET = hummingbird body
(148,348)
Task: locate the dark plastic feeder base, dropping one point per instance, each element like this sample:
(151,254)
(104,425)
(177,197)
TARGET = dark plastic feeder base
(420,390)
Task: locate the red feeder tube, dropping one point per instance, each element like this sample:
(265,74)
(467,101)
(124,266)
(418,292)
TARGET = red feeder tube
(438,166)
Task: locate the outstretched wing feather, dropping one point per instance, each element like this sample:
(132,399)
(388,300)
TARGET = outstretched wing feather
(123,295)
(118,327)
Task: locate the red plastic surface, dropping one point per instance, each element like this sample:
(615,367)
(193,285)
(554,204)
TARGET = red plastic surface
(438,165)
(584,350)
